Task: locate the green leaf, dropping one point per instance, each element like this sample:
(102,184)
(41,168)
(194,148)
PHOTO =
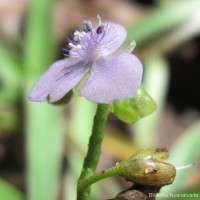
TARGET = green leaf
(10,77)
(40,47)
(9,192)
(44,138)
(133,109)
(162,19)
(43,151)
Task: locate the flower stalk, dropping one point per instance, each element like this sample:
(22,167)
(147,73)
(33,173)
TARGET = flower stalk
(145,167)
(112,171)
(94,149)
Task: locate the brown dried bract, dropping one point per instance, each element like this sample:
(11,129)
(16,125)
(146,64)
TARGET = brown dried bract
(138,192)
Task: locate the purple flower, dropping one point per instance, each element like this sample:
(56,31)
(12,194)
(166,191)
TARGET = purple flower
(100,67)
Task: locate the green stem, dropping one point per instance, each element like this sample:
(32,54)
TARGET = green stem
(113,171)
(94,149)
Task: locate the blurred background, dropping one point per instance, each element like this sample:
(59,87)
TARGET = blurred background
(42,146)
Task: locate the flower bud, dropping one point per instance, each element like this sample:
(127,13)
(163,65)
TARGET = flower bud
(146,167)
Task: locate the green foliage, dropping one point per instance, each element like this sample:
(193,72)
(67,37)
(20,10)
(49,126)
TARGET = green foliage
(162,19)
(43,122)
(8,192)
(10,77)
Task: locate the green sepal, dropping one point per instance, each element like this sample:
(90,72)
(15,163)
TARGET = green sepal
(133,109)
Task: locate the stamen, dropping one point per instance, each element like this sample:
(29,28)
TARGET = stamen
(99,18)
(184,167)
(87,26)
(66,50)
(99,29)
(76,38)
(79,34)
(71,39)
(75,46)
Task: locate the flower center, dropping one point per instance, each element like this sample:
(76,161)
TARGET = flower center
(83,43)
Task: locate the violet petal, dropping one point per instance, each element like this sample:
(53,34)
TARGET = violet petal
(111,38)
(127,47)
(113,79)
(100,45)
(59,79)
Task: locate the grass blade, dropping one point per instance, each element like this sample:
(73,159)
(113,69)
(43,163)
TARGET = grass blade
(8,192)
(43,125)
(162,19)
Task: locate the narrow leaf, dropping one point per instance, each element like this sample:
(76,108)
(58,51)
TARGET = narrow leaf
(9,192)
